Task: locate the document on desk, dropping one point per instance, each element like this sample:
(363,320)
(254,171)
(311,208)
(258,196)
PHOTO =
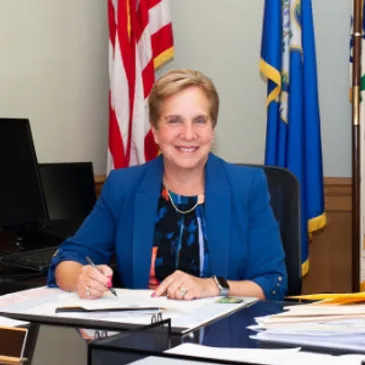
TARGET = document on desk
(265,356)
(184,315)
(315,325)
(23,300)
(8,322)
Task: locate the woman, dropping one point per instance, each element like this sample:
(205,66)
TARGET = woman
(187,224)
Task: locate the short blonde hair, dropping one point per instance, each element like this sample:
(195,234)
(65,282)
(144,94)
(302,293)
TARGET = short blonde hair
(177,80)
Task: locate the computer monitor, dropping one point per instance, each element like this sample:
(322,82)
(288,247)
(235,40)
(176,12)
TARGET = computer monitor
(21,196)
(69,189)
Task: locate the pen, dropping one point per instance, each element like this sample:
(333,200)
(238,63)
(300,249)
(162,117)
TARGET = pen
(93,265)
(121,309)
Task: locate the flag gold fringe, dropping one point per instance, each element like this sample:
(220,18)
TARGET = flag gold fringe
(305,268)
(163,57)
(317,223)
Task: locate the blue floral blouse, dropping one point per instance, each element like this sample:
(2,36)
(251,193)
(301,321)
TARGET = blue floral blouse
(180,241)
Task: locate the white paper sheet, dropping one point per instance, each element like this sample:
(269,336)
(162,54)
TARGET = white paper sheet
(344,343)
(317,328)
(266,356)
(7,322)
(183,314)
(128,298)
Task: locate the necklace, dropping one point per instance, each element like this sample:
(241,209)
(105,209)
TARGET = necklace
(199,199)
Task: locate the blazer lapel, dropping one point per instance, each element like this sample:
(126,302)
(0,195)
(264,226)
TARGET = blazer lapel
(145,210)
(218,215)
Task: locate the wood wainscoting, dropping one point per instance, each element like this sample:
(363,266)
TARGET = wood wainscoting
(330,249)
(99,181)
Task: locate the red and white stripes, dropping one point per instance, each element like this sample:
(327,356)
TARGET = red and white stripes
(140,40)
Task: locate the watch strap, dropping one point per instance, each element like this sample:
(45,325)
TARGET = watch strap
(223,291)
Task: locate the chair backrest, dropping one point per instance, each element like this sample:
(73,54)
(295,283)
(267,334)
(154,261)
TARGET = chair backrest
(284,192)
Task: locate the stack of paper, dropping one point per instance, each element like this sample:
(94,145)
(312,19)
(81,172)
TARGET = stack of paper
(334,322)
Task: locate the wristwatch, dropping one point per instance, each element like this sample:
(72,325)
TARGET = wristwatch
(222,285)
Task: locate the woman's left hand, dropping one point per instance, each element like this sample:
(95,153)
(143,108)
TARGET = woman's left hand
(183,286)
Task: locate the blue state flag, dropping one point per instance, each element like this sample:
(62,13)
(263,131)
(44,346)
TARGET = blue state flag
(293,136)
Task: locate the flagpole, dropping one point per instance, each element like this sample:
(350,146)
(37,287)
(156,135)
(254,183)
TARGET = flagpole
(356,74)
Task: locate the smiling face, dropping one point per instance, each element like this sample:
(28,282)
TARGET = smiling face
(184,131)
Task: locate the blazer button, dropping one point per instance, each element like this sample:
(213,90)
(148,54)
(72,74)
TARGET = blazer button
(274,292)
(280,278)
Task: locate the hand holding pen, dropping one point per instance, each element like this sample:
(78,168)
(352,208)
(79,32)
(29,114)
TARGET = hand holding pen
(93,281)
(109,283)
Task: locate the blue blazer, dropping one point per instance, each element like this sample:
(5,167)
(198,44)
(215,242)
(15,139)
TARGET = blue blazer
(243,236)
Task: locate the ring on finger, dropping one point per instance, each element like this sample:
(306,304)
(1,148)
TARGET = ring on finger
(87,291)
(182,292)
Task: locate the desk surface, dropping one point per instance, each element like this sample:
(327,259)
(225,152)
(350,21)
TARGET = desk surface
(63,345)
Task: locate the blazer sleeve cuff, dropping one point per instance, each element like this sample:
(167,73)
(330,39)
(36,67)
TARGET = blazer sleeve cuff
(274,287)
(59,256)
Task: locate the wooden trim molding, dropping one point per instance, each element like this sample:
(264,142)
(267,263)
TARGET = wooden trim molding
(337,193)
(330,250)
(99,181)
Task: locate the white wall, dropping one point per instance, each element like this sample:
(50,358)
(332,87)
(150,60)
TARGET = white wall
(224,43)
(53,69)
(332,26)
(223,39)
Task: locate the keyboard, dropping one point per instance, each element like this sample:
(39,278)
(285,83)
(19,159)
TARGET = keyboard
(34,260)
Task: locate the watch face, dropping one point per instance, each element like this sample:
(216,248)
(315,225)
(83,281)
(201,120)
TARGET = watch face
(223,282)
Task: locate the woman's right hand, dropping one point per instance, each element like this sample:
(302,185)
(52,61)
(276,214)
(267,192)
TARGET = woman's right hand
(92,283)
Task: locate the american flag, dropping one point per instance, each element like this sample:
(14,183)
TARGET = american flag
(140,40)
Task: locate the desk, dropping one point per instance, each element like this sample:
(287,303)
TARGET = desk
(64,345)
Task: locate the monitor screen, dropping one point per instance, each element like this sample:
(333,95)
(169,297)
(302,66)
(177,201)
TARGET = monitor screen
(69,189)
(21,196)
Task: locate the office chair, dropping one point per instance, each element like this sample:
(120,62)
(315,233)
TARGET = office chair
(284,191)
